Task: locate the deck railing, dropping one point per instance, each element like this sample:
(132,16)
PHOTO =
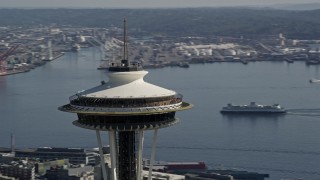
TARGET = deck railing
(124,103)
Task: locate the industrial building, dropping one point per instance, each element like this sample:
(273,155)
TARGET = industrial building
(75,155)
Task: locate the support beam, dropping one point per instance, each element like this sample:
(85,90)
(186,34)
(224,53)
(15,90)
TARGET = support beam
(102,163)
(112,143)
(140,152)
(153,152)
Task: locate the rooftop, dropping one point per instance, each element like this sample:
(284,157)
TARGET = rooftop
(126,85)
(133,90)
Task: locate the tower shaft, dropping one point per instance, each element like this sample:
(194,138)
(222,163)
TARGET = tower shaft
(127,162)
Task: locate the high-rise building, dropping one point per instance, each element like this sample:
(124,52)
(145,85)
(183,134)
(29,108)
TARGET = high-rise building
(126,106)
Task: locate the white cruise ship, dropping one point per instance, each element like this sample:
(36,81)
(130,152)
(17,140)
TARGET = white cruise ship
(253,108)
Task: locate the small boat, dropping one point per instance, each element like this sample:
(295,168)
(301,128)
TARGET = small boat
(288,60)
(312,62)
(244,61)
(75,48)
(184,65)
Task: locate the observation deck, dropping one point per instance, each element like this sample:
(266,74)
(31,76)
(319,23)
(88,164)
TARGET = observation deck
(125,114)
(126,103)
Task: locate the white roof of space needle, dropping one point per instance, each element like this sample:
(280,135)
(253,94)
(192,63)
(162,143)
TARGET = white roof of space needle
(127,85)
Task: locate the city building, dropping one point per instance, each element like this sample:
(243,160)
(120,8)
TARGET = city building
(75,155)
(42,167)
(19,170)
(162,166)
(80,173)
(162,176)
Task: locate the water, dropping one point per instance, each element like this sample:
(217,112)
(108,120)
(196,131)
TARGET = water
(283,146)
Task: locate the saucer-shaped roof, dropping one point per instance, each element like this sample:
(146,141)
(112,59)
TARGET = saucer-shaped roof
(127,85)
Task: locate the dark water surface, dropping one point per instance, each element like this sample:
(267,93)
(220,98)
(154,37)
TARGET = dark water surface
(285,146)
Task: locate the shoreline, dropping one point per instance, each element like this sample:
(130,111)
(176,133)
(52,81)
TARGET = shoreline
(31,66)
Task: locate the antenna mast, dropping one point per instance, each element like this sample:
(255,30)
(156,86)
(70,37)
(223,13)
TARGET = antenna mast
(12,143)
(125,44)
(124,65)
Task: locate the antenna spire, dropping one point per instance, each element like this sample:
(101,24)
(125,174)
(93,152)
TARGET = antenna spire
(125,65)
(125,44)
(12,143)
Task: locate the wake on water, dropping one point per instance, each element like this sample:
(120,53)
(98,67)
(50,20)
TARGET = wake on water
(304,112)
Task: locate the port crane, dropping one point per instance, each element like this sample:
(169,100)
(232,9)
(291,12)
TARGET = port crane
(5,55)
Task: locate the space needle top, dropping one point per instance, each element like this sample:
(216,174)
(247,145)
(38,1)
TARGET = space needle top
(126,106)
(125,93)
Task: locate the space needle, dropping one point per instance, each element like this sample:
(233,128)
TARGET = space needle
(126,106)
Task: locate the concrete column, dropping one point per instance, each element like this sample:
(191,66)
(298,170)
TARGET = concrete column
(102,163)
(140,153)
(153,152)
(113,152)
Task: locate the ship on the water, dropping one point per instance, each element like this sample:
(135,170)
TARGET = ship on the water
(314,80)
(253,108)
(75,47)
